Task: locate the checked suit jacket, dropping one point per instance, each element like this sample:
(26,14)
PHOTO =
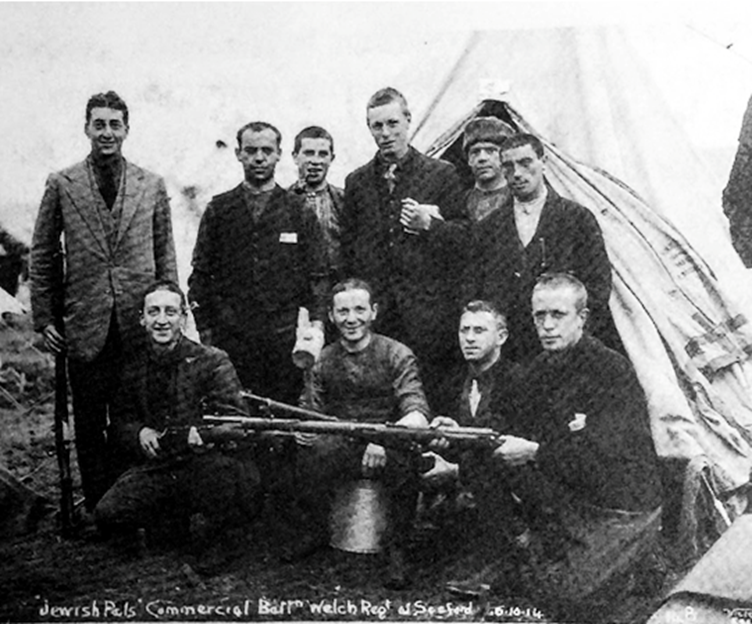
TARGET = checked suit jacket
(96,268)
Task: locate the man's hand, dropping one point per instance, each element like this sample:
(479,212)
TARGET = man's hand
(414,420)
(205,336)
(516,451)
(149,439)
(443,471)
(53,340)
(374,459)
(415,217)
(194,437)
(441,422)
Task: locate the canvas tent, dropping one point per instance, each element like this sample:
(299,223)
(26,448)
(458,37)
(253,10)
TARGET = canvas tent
(689,343)
(678,301)
(607,96)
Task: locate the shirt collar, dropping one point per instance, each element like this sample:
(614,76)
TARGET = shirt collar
(532,207)
(402,164)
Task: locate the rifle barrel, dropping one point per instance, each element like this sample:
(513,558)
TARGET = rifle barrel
(62,445)
(286,407)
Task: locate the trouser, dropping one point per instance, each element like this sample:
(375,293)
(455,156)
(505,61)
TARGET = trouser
(330,461)
(434,344)
(223,488)
(263,361)
(93,386)
(578,555)
(590,576)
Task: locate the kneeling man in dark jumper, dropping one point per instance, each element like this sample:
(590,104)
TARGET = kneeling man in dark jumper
(165,390)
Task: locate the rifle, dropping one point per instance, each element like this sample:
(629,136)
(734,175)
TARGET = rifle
(62,445)
(243,428)
(215,431)
(383,434)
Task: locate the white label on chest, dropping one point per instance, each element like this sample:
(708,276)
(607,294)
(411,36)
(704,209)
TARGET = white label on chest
(289,238)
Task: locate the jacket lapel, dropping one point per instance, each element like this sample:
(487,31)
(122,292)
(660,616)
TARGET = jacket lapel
(133,188)
(87,203)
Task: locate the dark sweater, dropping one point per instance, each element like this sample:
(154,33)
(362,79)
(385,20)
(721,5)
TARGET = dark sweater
(378,384)
(174,390)
(611,461)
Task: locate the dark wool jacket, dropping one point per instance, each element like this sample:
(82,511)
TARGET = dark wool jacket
(568,239)
(195,380)
(415,276)
(499,388)
(249,276)
(610,461)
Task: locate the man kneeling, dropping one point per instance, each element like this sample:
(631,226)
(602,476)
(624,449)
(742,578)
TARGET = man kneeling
(365,377)
(165,390)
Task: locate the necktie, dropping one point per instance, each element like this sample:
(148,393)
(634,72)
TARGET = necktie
(474,397)
(390,177)
(109,187)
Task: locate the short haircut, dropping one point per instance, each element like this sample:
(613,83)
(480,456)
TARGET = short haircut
(351,283)
(312,132)
(554,281)
(170,286)
(387,95)
(259,126)
(478,305)
(519,140)
(107,100)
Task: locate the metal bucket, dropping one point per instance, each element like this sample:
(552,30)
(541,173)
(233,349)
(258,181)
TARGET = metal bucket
(358,520)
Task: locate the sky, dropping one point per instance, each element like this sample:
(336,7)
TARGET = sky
(194,72)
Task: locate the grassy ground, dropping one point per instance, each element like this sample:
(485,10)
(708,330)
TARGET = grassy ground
(46,578)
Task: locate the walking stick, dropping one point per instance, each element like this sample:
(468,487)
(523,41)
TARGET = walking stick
(62,445)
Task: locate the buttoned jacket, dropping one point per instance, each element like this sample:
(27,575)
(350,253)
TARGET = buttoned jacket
(89,274)
(418,274)
(567,239)
(249,273)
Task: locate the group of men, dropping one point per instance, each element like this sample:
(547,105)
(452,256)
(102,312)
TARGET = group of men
(414,256)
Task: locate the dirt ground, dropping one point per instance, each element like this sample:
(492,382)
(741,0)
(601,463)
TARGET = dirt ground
(85,579)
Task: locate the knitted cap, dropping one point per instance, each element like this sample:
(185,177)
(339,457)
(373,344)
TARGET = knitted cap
(485,130)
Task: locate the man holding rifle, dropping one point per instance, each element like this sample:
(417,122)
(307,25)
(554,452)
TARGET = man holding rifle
(486,398)
(363,377)
(169,384)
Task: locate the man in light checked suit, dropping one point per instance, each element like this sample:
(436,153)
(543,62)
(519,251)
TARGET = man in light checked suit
(86,290)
